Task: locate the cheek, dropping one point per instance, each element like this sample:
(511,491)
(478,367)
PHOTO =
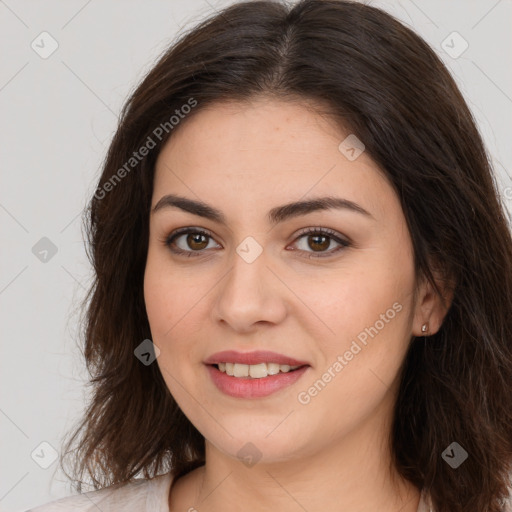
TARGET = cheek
(358,372)
(169,294)
(172,305)
(345,303)
(368,312)
(158,300)
(164,310)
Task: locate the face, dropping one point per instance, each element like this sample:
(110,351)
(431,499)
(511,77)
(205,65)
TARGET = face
(330,288)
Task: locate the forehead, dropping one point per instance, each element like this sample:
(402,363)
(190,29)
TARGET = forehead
(264,151)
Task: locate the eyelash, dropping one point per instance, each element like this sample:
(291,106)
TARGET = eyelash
(329,233)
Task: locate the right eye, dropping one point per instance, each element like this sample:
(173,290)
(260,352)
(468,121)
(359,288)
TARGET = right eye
(196,239)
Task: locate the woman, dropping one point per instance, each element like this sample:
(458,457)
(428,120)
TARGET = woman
(303,279)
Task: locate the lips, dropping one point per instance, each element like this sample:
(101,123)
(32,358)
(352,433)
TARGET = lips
(249,388)
(251,358)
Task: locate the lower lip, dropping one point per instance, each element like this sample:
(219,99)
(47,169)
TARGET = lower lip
(246,387)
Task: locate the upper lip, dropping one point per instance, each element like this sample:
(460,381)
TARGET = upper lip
(256,357)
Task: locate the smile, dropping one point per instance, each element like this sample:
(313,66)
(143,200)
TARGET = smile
(254,381)
(255,371)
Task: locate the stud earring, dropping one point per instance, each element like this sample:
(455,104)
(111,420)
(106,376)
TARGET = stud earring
(424,328)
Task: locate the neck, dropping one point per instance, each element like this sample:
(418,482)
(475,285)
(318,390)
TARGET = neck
(353,474)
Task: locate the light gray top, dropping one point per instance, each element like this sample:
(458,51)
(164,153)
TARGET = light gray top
(142,495)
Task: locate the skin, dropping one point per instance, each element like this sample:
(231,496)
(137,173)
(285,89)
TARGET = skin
(331,453)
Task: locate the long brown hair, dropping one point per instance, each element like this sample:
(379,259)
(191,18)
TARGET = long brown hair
(386,85)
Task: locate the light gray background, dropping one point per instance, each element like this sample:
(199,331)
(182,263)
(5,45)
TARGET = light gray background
(58,115)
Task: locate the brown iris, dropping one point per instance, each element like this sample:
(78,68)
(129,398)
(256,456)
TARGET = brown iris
(325,244)
(194,238)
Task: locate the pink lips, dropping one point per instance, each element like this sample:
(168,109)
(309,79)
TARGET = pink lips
(247,387)
(256,357)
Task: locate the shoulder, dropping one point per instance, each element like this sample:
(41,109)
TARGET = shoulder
(137,495)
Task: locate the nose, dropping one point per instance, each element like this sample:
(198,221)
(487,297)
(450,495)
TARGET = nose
(249,294)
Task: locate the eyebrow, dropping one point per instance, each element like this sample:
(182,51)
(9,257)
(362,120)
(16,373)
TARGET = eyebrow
(275,215)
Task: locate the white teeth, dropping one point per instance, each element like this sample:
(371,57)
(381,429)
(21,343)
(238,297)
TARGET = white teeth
(241,370)
(272,368)
(255,371)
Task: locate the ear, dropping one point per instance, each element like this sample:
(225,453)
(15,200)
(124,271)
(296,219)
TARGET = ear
(430,307)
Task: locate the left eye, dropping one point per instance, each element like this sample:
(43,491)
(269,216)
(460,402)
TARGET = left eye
(197,240)
(321,238)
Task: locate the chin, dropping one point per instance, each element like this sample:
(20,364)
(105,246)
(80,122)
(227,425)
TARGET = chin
(272,441)
(260,450)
